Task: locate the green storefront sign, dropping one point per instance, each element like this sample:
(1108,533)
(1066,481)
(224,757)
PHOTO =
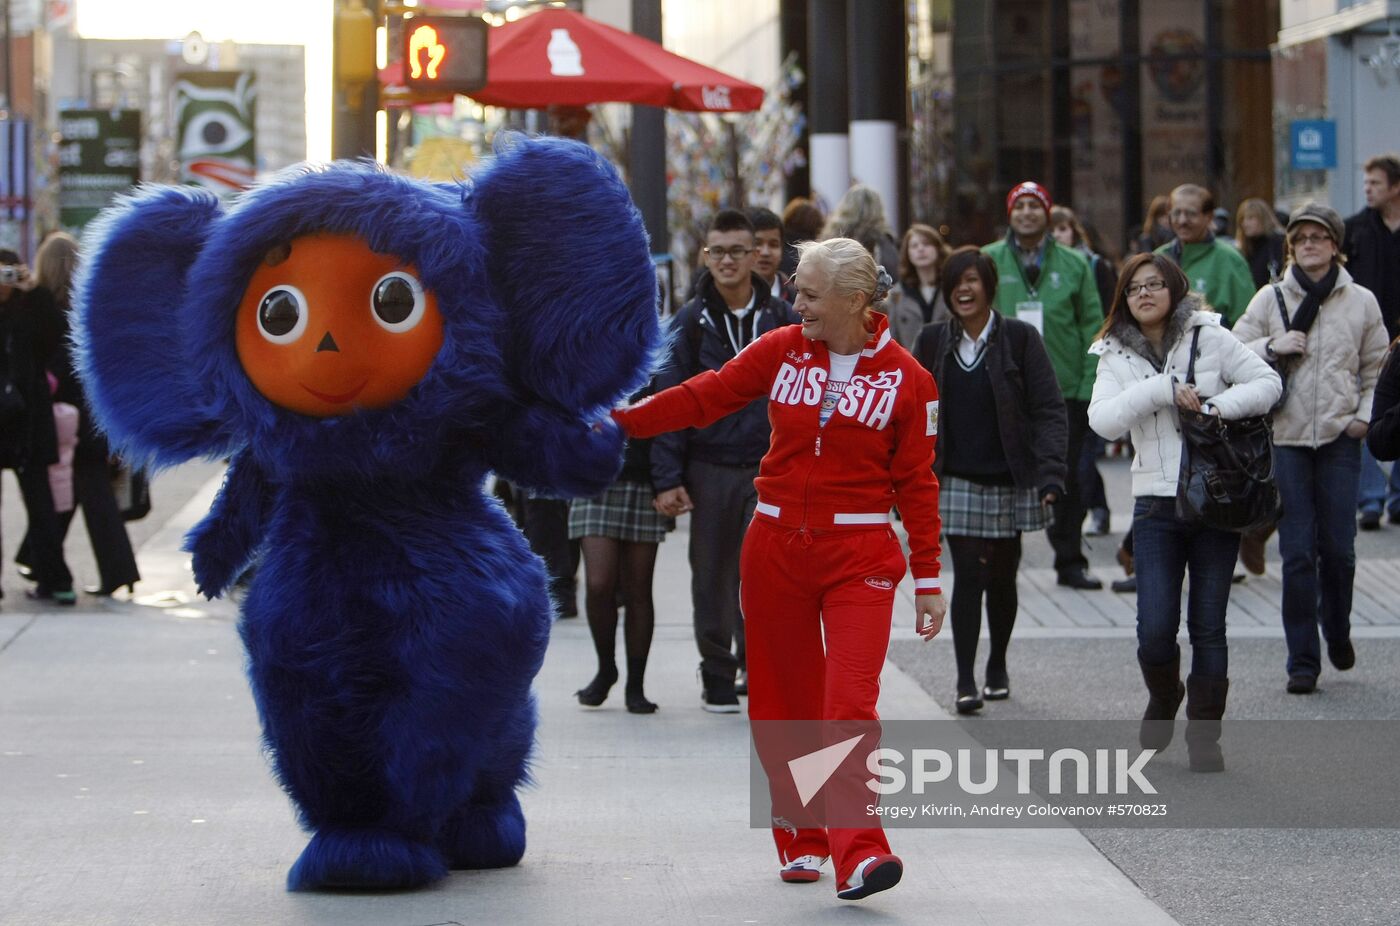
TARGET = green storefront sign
(99,158)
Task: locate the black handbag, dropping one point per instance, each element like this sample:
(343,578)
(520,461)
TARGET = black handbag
(1227,467)
(133,493)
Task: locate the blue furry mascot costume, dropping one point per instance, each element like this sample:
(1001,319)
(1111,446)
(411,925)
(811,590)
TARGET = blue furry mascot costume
(364,348)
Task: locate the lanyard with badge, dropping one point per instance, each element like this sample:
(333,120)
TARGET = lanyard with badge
(1032,310)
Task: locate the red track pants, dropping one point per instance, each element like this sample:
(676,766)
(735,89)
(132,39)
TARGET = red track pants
(798,587)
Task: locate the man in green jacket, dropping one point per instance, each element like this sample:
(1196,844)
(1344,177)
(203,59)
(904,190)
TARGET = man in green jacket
(1051,286)
(1216,270)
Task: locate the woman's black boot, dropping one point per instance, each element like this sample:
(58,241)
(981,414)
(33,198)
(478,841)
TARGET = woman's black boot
(1164,694)
(1205,705)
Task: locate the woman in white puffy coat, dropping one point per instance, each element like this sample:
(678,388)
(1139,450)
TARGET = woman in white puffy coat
(1144,349)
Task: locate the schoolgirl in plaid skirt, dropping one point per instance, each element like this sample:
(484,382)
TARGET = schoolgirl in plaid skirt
(619,532)
(1001,460)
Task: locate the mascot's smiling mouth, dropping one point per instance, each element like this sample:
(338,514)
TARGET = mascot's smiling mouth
(339,398)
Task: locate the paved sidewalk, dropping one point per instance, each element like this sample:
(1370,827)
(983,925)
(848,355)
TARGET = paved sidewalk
(134,792)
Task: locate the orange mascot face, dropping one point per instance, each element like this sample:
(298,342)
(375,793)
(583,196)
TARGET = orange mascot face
(329,327)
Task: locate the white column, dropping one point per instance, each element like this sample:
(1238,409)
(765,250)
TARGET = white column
(875,163)
(830,169)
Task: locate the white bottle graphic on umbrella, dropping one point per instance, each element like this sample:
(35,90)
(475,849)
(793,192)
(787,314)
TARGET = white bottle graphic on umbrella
(565,59)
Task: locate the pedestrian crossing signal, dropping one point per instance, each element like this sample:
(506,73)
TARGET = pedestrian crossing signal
(445,54)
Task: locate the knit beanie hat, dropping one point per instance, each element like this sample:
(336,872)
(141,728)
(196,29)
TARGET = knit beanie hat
(1028,188)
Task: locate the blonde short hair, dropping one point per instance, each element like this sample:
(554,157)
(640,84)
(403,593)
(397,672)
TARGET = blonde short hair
(846,263)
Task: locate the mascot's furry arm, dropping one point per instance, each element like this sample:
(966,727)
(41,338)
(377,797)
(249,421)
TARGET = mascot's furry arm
(556,253)
(557,455)
(223,543)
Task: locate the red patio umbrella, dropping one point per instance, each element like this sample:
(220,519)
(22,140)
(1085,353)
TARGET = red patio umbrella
(557,57)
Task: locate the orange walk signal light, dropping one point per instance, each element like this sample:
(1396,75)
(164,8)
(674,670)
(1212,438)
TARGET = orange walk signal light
(444,54)
(425,39)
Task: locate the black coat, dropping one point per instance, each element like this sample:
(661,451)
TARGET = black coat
(1384,436)
(1371,263)
(699,343)
(1031,414)
(31,330)
(92,444)
(1265,258)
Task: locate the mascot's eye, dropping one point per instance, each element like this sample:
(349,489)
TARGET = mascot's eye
(397,302)
(282,314)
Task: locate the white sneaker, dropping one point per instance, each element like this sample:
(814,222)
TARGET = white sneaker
(802,870)
(875,874)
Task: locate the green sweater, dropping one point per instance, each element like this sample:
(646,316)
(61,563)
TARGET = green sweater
(1071,311)
(1219,273)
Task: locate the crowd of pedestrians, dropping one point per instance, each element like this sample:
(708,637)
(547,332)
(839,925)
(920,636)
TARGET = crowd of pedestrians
(1043,351)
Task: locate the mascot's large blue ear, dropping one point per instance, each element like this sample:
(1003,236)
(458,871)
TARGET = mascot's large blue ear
(132,345)
(569,262)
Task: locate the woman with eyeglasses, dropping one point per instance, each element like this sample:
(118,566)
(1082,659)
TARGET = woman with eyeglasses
(1324,332)
(854,421)
(1144,350)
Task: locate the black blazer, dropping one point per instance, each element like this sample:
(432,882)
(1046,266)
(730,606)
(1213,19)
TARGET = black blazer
(1030,409)
(32,328)
(1384,436)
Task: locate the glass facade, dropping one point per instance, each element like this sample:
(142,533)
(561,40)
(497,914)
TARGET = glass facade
(1107,102)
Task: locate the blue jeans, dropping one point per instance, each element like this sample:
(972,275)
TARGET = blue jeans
(1374,495)
(1164,549)
(1317,537)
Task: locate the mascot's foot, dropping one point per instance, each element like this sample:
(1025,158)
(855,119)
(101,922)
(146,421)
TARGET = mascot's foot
(365,860)
(485,836)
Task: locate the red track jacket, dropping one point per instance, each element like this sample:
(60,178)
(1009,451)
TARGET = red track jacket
(875,451)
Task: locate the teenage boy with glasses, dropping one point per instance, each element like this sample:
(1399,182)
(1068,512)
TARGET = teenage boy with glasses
(709,472)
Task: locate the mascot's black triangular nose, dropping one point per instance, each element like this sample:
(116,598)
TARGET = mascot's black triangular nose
(327,343)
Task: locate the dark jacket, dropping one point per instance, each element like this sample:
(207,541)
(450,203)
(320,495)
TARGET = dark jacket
(1030,408)
(1265,258)
(636,456)
(92,444)
(699,342)
(31,330)
(1371,263)
(1384,436)
(1105,278)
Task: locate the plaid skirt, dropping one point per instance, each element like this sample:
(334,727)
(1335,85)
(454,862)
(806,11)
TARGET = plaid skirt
(622,512)
(970,509)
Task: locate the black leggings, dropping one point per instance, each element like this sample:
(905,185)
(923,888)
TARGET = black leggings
(983,567)
(608,564)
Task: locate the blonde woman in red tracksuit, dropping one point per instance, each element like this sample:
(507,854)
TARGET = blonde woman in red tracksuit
(854,421)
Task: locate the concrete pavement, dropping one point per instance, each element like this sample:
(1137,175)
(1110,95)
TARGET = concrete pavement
(134,790)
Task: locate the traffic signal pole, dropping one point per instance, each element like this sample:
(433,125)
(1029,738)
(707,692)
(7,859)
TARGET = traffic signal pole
(356,79)
(646,154)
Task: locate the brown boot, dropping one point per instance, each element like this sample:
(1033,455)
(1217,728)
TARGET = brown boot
(1252,550)
(1164,694)
(1205,705)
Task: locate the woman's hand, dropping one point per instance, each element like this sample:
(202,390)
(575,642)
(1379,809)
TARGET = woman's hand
(929,611)
(1357,429)
(1294,342)
(673,502)
(1186,397)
